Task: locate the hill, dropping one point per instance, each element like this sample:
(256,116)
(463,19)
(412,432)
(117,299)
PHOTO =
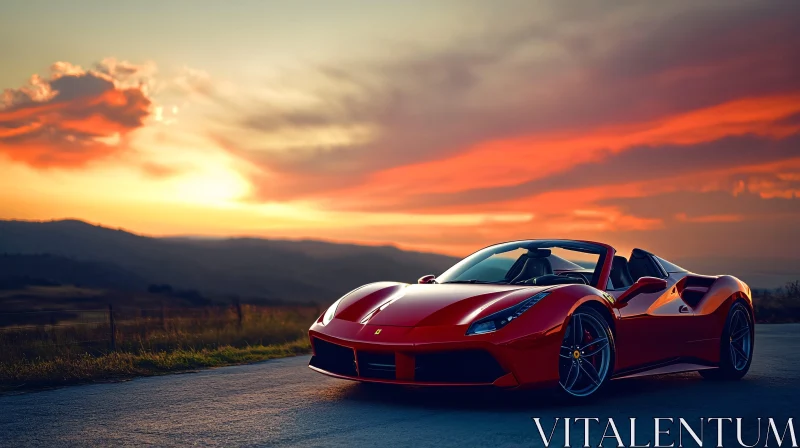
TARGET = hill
(252,268)
(18,271)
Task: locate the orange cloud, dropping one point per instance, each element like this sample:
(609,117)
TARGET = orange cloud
(683,217)
(158,171)
(458,184)
(511,161)
(72,117)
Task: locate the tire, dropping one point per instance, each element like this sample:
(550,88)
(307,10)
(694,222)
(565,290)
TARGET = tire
(594,361)
(736,350)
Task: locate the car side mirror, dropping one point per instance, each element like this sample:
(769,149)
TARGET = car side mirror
(427,279)
(645,285)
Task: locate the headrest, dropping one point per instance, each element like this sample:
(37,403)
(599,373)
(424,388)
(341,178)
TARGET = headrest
(538,253)
(638,253)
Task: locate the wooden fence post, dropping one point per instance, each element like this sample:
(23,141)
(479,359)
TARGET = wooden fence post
(112,328)
(238,312)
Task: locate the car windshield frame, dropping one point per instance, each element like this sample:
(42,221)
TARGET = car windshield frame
(599,275)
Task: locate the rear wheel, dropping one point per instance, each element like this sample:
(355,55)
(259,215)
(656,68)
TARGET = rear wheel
(736,346)
(587,354)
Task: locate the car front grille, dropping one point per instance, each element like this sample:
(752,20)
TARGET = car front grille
(459,366)
(463,366)
(376,365)
(333,358)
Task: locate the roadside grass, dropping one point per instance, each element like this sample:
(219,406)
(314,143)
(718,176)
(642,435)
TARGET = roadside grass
(43,349)
(37,373)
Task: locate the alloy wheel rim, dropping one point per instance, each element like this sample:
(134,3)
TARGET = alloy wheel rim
(740,345)
(585,355)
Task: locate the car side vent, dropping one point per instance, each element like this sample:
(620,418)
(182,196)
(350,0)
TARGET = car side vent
(694,287)
(702,281)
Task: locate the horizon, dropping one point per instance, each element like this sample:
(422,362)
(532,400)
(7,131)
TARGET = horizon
(441,132)
(213,237)
(777,276)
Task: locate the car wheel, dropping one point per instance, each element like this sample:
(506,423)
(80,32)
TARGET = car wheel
(736,346)
(586,359)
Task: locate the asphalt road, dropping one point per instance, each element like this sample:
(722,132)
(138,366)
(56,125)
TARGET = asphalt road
(281,402)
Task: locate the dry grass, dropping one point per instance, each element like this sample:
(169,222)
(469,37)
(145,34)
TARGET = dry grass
(76,369)
(64,333)
(50,349)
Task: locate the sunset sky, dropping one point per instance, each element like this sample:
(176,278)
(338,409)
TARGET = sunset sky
(440,126)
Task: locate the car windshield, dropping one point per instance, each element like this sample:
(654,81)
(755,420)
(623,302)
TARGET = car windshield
(529,262)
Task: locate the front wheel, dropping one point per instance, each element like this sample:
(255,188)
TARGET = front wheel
(587,354)
(736,346)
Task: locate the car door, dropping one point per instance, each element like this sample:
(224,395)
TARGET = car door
(649,326)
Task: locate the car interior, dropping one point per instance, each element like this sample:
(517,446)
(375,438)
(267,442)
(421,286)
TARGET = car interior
(534,267)
(624,273)
(540,266)
(620,274)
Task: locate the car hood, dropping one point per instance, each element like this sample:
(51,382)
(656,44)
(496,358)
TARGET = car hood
(404,305)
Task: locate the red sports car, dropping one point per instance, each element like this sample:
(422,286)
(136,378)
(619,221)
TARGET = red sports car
(571,314)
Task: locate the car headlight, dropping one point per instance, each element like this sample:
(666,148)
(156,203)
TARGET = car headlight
(500,319)
(328,316)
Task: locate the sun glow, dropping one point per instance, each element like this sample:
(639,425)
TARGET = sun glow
(214,188)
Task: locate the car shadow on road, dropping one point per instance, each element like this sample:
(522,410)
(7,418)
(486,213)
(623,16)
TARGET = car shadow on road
(689,388)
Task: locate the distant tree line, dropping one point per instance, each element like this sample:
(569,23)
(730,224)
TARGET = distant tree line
(778,305)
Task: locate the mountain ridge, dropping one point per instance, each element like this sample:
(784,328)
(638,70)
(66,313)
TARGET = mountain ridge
(283,269)
(307,270)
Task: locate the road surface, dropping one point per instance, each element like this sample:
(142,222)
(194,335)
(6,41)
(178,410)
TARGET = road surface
(283,403)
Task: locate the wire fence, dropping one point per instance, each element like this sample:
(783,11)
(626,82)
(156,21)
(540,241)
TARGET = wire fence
(49,334)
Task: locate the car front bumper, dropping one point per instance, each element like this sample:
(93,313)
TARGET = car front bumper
(433,356)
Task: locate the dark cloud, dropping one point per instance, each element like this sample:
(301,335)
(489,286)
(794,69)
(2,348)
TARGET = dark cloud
(695,204)
(711,36)
(71,87)
(570,74)
(706,55)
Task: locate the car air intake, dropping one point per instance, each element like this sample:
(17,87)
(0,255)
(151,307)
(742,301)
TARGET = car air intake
(333,358)
(464,366)
(376,365)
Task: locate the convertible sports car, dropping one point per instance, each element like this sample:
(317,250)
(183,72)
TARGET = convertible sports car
(570,314)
